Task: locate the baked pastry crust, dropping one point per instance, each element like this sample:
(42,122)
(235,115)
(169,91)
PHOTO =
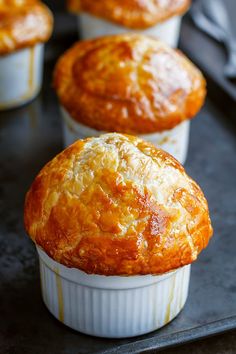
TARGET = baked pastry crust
(128,83)
(116,205)
(23,24)
(138,14)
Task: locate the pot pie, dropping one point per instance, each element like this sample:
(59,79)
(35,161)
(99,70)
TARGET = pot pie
(158,18)
(136,14)
(116,205)
(130,84)
(25,26)
(24,23)
(116,213)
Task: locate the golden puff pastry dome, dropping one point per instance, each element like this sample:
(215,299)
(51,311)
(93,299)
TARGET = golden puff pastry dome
(137,14)
(23,23)
(116,205)
(130,83)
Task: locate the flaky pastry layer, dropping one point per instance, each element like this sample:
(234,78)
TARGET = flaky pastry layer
(128,83)
(116,205)
(23,23)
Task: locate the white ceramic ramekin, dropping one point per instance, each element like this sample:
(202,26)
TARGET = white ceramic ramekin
(112,306)
(174,141)
(91,27)
(20,76)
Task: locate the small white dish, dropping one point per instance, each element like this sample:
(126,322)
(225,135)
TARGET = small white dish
(112,306)
(20,76)
(92,27)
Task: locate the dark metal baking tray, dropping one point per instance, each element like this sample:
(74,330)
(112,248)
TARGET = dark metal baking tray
(29,137)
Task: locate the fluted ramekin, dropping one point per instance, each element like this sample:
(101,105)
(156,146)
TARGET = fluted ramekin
(112,306)
(92,27)
(20,76)
(175,141)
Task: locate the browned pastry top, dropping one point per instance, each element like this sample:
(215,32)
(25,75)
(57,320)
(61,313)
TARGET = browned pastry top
(116,205)
(131,13)
(23,23)
(129,84)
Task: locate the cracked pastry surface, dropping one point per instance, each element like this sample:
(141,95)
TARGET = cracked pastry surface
(131,13)
(128,83)
(116,205)
(23,23)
